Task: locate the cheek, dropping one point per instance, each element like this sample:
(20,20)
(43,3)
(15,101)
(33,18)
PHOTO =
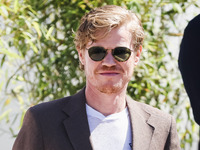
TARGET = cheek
(129,68)
(129,71)
(89,67)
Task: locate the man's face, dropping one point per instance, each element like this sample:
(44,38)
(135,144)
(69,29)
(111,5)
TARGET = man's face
(110,75)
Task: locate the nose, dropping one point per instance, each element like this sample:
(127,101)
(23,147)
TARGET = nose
(109,60)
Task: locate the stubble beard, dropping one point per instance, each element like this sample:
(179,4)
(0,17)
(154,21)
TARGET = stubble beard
(110,89)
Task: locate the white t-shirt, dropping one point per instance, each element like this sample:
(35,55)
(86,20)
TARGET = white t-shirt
(111,132)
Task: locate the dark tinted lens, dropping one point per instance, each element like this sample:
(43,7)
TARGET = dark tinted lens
(121,53)
(97,53)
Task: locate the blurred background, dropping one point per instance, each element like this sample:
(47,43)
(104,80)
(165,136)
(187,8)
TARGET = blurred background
(38,60)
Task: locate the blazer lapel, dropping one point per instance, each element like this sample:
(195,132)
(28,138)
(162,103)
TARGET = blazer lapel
(76,123)
(142,130)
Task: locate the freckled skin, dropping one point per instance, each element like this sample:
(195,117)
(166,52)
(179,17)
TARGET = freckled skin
(109,75)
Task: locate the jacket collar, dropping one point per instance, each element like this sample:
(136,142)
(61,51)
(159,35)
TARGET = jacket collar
(142,126)
(76,124)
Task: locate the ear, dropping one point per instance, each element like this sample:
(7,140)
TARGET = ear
(137,56)
(81,54)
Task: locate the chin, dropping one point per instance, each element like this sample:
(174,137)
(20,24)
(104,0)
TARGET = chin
(109,89)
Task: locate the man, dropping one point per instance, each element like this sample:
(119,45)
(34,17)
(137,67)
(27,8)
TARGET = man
(101,116)
(189,61)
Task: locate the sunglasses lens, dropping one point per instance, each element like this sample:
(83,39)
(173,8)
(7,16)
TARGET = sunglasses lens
(97,53)
(121,53)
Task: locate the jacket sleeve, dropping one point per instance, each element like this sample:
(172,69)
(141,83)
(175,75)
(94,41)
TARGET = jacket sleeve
(30,136)
(172,142)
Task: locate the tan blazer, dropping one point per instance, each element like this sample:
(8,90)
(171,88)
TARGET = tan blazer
(62,125)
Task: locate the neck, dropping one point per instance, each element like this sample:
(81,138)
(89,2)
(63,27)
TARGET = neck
(106,103)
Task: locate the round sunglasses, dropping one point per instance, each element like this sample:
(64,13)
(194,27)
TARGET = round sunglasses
(98,53)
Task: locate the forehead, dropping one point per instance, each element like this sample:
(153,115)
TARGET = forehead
(119,36)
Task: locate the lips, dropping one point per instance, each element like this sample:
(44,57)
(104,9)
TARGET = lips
(109,73)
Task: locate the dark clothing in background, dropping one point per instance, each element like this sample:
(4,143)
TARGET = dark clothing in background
(189,64)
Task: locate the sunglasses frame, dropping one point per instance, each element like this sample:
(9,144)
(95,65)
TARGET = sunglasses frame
(112,51)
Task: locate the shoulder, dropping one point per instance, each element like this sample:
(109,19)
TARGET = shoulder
(60,107)
(153,111)
(158,119)
(48,112)
(149,110)
(151,115)
(157,115)
(51,105)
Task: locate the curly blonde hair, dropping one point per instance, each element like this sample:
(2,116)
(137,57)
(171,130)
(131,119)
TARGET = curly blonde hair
(100,21)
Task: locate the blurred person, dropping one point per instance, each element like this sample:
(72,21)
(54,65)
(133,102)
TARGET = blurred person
(189,64)
(101,116)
